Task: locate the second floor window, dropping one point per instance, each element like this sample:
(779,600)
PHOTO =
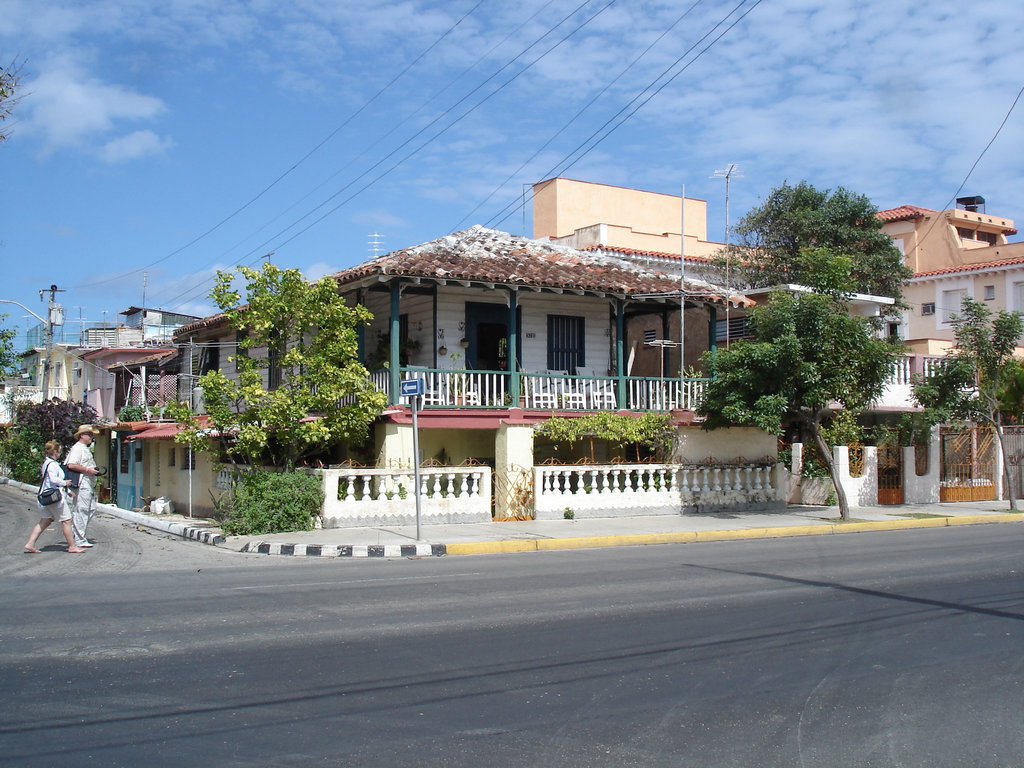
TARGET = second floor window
(565,343)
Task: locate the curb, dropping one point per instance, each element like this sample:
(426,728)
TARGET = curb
(689,537)
(346,550)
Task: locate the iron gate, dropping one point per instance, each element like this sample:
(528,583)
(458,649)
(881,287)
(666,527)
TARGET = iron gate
(968,464)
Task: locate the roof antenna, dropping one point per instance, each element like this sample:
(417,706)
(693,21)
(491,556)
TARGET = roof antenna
(728,173)
(374,244)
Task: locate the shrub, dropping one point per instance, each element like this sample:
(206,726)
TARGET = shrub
(270,502)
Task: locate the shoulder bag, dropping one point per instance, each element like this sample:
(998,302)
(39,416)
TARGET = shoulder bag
(50,495)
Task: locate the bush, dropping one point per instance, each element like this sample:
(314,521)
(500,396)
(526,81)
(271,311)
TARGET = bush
(270,502)
(22,454)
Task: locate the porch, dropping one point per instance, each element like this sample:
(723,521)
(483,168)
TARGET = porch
(448,388)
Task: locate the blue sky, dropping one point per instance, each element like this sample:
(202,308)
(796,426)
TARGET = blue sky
(158,142)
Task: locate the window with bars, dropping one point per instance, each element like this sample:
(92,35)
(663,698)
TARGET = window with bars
(565,343)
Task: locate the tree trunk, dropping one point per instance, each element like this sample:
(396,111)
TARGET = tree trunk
(1007,480)
(826,454)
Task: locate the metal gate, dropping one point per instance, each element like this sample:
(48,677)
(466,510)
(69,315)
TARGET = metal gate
(1013,444)
(968,464)
(513,494)
(890,473)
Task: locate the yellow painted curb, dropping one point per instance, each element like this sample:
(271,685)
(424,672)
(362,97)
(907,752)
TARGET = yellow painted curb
(688,537)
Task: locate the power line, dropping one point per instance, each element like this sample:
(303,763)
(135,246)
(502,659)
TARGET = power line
(563,165)
(295,165)
(576,116)
(437,134)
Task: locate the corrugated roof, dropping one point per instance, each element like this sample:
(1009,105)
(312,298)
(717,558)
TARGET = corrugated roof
(491,257)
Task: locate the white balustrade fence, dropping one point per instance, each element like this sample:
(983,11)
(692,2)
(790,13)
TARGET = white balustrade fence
(372,497)
(616,490)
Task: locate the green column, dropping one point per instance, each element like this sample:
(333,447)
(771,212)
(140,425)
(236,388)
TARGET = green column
(394,354)
(620,358)
(513,336)
(712,322)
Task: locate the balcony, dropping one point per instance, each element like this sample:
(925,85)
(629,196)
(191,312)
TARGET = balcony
(446,388)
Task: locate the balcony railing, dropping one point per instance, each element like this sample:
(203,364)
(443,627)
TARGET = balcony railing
(548,391)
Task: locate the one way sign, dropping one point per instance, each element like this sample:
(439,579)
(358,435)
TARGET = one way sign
(412,387)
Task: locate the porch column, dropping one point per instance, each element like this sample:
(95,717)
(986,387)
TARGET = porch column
(394,355)
(712,330)
(620,358)
(511,356)
(361,331)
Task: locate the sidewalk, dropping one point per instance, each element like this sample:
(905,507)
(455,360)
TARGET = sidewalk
(533,535)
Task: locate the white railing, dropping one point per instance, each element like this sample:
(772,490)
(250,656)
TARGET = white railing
(611,490)
(367,496)
(548,391)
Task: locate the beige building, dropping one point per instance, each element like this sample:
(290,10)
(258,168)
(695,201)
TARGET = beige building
(957,253)
(582,215)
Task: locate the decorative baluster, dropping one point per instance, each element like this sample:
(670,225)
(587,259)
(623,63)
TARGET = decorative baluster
(437,484)
(367,492)
(757,479)
(350,490)
(716,483)
(464,485)
(704,480)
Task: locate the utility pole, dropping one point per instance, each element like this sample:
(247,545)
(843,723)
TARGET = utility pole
(55,316)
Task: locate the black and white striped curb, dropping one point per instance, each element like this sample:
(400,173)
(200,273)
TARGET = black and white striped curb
(347,550)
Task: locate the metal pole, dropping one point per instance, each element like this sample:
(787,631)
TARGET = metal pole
(682,290)
(416,458)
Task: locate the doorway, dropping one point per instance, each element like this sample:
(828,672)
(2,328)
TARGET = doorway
(487,334)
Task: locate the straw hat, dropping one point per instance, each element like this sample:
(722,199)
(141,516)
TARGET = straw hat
(86,428)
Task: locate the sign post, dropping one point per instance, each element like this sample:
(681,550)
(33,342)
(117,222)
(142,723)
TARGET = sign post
(414,389)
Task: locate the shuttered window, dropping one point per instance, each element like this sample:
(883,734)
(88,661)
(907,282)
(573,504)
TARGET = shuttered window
(565,343)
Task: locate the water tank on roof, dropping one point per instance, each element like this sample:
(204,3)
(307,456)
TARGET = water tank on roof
(974,203)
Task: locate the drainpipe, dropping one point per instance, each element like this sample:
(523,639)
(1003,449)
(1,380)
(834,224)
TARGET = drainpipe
(394,374)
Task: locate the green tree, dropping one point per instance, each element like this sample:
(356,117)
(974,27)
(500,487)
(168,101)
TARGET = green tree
(324,396)
(972,382)
(830,241)
(807,354)
(8,358)
(10,82)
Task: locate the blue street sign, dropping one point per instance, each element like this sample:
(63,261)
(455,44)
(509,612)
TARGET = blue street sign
(412,387)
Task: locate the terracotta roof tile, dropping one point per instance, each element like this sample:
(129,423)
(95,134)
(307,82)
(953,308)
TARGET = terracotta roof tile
(488,256)
(903,213)
(971,267)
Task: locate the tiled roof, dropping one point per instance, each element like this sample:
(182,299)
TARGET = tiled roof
(903,213)
(971,267)
(638,252)
(491,257)
(166,354)
(211,321)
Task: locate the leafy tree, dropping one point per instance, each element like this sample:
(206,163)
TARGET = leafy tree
(21,449)
(324,397)
(971,384)
(830,241)
(807,354)
(10,81)
(8,357)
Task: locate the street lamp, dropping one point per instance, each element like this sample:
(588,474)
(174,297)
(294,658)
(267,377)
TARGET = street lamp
(56,313)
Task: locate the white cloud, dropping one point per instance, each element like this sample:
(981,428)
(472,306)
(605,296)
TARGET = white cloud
(67,108)
(133,146)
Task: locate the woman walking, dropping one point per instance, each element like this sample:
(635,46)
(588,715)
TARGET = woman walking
(53,477)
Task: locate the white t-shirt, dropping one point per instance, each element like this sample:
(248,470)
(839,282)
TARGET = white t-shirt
(79,454)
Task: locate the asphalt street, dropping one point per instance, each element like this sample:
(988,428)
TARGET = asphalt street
(895,648)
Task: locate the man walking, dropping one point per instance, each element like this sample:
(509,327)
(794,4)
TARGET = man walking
(83,498)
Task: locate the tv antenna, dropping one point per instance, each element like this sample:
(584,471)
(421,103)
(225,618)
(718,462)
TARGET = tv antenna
(374,243)
(728,173)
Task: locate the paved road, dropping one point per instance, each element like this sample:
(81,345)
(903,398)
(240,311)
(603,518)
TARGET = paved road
(887,649)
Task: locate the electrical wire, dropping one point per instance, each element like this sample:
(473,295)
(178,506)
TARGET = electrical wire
(295,165)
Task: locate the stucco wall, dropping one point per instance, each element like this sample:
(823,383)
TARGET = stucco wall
(734,444)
